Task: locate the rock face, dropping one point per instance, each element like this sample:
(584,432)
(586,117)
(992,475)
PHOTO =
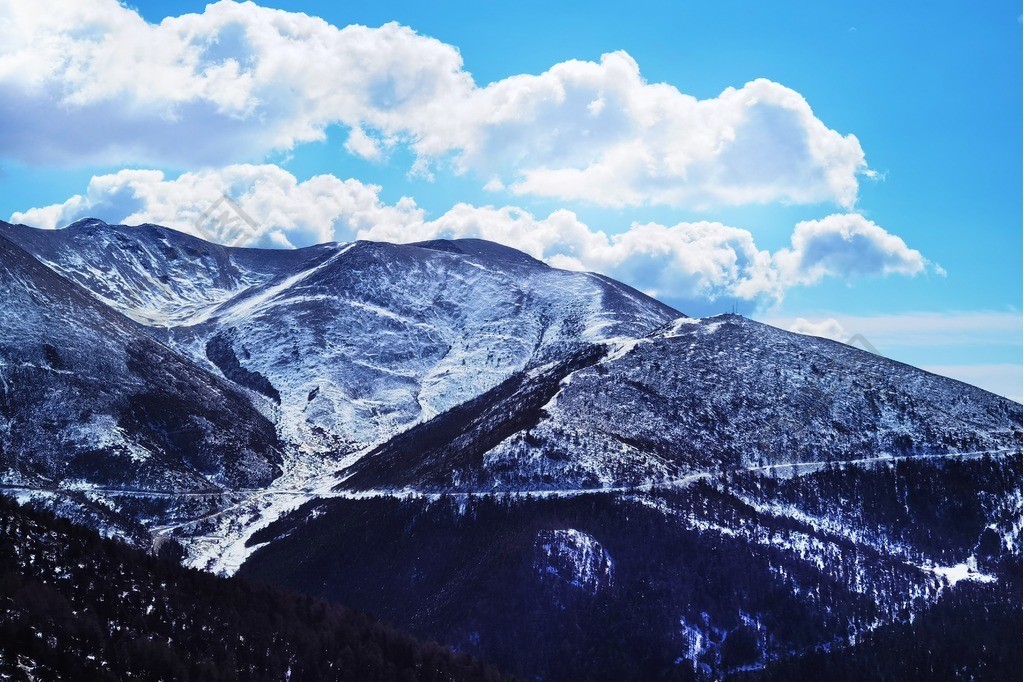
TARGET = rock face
(491,452)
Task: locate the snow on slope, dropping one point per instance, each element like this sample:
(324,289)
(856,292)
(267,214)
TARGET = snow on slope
(574,558)
(341,346)
(153,275)
(695,396)
(432,375)
(88,398)
(727,392)
(381,336)
(355,342)
(531,378)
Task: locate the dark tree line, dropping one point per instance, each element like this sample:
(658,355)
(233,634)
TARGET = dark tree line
(75,606)
(468,572)
(971,633)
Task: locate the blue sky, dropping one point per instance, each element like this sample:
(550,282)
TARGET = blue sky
(932,96)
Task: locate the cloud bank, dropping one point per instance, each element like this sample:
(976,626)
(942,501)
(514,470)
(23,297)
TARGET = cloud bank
(914,329)
(681,264)
(90,81)
(829,328)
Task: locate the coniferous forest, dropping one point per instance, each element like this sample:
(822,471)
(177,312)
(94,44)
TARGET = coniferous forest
(75,606)
(733,592)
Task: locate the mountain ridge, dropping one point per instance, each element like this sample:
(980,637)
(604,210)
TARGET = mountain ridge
(453,410)
(52,328)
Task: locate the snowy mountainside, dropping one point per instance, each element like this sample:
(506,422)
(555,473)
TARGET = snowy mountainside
(381,336)
(87,397)
(727,393)
(352,343)
(724,575)
(521,461)
(156,276)
(696,396)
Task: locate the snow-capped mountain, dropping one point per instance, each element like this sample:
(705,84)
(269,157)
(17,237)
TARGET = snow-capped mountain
(491,451)
(158,277)
(377,337)
(89,398)
(693,397)
(349,342)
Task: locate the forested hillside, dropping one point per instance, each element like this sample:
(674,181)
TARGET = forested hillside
(75,606)
(886,571)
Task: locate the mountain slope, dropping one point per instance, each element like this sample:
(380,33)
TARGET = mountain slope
(74,607)
(156,276)
(380,336)
(352,343)
(544,467)
(697,396)
(87,397)
(697,581)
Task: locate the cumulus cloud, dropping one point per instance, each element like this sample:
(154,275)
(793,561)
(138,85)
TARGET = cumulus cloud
(829,328)
(683,264)
(94,82)
(847,246)
(286,212)
(650,143)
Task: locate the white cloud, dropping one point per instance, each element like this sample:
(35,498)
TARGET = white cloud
(94,82)
(845,245)
(682,264)
(361,144)
(650,143)
(287,212)
(828,328)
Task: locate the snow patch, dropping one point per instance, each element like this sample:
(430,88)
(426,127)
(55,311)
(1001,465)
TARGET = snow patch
(575,558)
(962,571)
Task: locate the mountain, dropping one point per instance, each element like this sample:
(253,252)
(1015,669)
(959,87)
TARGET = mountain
(348,342)
(695,396)
(79,607)
(736,574)
(156,276)
(88,398)
(546,468)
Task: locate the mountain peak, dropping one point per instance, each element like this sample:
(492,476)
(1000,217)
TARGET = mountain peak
(482,248)
(87,222)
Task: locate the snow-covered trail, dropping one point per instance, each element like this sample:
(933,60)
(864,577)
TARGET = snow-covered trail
(680,481)
(320,489)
